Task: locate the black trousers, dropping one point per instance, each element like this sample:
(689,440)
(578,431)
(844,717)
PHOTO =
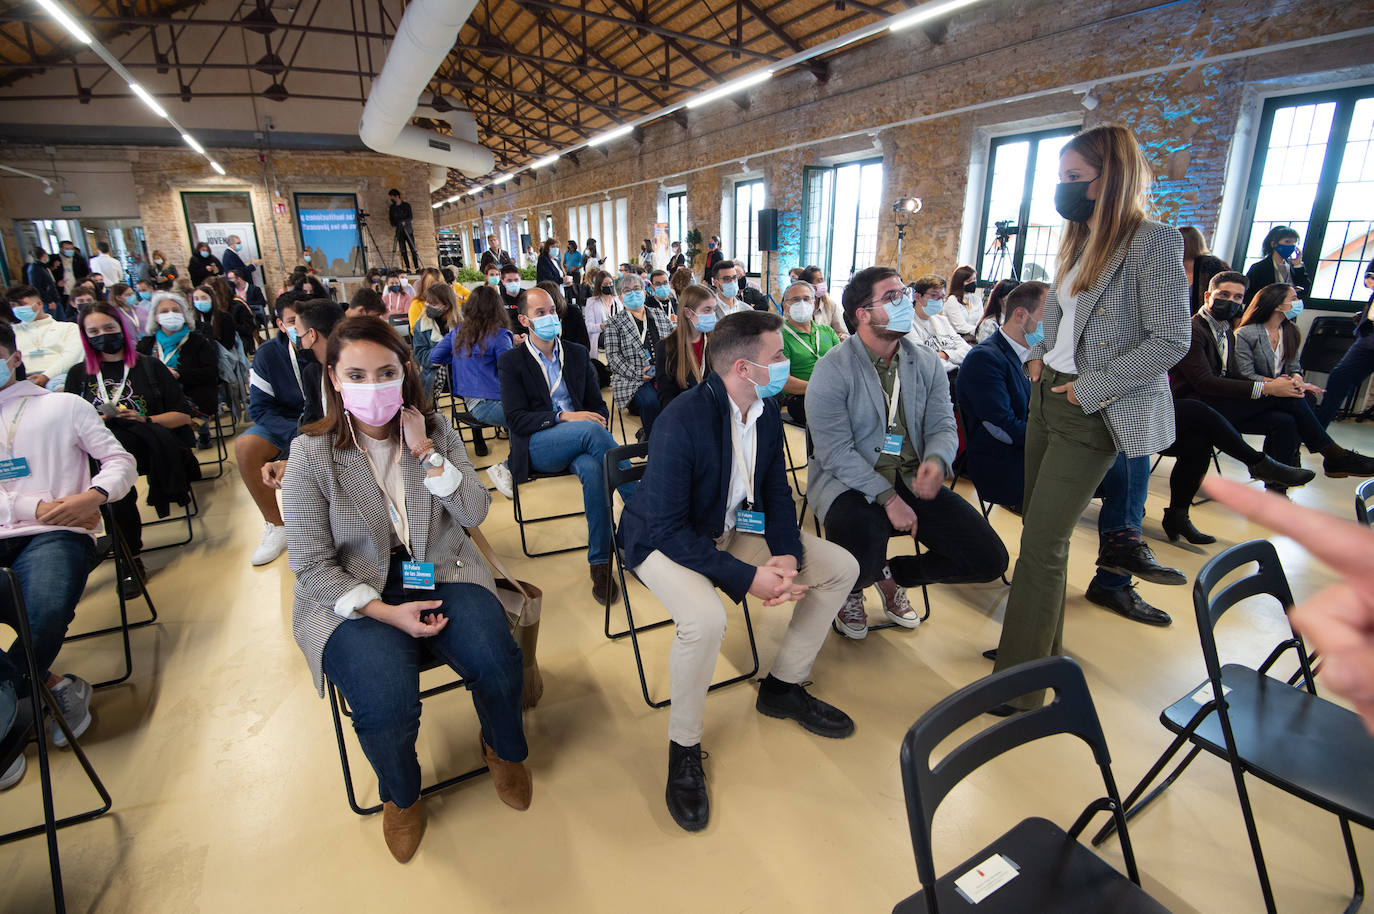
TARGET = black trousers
(796,408)
(960,546)
(130,523)
(1285,423)
(405,237)
(1197,429)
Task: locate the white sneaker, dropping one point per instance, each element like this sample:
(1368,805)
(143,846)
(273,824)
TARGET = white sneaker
(14,774)
(74,698)
(273,544)
(852,619)
(499,474)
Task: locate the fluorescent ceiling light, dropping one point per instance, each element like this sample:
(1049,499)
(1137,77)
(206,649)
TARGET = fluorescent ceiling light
(436,205)
(477,190)
(611,135)
(191,141)
(66,20)
(502,179)
(928,12)
(217,166)
(453,199)
(744,82)
(546,161)
(148,100)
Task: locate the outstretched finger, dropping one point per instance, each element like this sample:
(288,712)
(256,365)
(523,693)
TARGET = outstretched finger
(1343,545)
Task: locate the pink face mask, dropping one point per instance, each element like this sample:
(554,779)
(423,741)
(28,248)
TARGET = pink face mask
(373,404)
(820,288)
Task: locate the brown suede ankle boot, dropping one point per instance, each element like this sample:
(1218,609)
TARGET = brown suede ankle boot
(604,588)
(403,828)
(512,779)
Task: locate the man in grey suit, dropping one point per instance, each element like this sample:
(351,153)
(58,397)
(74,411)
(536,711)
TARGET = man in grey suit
(883,425)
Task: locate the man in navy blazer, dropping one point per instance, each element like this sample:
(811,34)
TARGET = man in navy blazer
(557,422)
(714,511)
(994,398)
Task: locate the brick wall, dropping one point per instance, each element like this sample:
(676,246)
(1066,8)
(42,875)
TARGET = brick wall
(1186,119)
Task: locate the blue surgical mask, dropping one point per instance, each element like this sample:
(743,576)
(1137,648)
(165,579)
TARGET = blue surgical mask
(25,313)
(1295,310)
(1036,337)
(634,299)
(777,377)
(145,296)
(932,308)
(238,247)
(706,321)
(900,314)
(130,299)
(1285,250)
(729,289)
(203,305)
(494,280)
(513,288)
(5,373)
(662,292)
(546,326)
(293,336)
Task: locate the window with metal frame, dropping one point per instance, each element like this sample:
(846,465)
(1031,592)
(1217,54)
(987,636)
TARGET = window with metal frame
(677,218)
(1019,232)
(842,207)
(748,201)
(1313,171)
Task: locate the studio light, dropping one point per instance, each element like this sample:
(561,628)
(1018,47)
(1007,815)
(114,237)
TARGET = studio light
(1089,100)
(902,211)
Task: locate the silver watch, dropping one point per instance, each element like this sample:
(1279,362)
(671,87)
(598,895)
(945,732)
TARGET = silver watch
(435,460)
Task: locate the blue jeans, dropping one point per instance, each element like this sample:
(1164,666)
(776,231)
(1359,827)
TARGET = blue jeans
(52,569)
(581,447)
(1123,507)
(376,667)
(266,434)
(644,404)
(490,412)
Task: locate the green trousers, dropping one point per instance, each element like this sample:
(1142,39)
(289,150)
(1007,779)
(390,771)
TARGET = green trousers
(1067,454)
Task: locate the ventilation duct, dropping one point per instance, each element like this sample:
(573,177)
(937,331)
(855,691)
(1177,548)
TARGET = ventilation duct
(425,37)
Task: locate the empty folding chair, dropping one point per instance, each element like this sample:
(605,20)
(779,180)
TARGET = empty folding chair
(124,567)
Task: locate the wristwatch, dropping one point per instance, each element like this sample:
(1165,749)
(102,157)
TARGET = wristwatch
(435,460)
(101,491)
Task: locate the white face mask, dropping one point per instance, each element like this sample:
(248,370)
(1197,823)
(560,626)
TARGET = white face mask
(801,311)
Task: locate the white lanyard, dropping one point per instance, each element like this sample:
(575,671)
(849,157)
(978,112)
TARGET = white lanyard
(392,509)
(539,360)
(14,426)
(295,367)
(119,391)
(643,330)
(164,355)
(801,339)
(893,401)
(745,466)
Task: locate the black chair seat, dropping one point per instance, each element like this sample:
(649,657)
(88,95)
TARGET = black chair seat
(1058,875)
(1305,745)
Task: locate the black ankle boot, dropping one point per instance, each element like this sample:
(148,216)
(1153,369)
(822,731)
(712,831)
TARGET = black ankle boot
(1177,523)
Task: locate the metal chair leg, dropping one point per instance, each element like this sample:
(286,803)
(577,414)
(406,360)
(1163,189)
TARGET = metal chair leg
(521,521)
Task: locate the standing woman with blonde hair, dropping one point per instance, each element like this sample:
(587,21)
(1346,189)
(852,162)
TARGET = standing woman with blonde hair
(1116,320)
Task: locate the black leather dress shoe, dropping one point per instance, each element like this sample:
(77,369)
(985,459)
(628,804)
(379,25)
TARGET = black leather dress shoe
(790,700)
(1269,470)
(686,792)
(1126,602)
(1136,559)
(990,653)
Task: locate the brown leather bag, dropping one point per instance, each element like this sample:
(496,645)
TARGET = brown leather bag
(523,603)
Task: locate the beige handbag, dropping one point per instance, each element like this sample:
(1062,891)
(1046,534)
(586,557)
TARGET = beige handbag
(522,602)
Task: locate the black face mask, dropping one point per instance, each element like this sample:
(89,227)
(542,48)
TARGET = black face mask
(435,313)
(1071,201)
(1225,310)
(607,289)
(108,343)
(970,287)
(306,355)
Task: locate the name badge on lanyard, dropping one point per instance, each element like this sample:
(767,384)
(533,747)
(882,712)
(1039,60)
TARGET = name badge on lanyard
(892,443)
(747,521)
(417,575)
(15,468)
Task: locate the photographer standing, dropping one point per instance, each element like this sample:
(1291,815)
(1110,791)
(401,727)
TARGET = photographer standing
(401,219)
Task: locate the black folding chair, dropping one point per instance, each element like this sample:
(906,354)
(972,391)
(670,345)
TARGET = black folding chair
(1284,735)
(30,726)
(189,511)
(616,476)
(792,466)
(1053,872)
(338,708)
(1364,496)
(471,429)
(522,520)
(125,566)
(221,449)
(986,507)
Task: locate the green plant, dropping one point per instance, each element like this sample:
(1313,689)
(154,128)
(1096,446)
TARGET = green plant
(468,274)
(693,246)
(527,274)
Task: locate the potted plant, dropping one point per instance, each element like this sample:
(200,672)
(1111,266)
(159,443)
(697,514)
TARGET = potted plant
(693,246)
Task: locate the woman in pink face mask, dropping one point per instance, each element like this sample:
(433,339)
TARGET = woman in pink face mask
(828,311)
(376,496)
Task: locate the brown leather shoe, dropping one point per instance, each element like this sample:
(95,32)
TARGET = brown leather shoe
(402,829)
(604,588)
(512,779)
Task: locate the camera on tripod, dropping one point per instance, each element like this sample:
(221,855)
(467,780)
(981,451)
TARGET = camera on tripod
(1005,230)
(361,215)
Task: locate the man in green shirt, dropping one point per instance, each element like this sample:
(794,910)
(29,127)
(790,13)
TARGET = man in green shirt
(804,341)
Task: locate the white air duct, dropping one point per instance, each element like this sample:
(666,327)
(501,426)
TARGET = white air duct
(425,37)
(438,177)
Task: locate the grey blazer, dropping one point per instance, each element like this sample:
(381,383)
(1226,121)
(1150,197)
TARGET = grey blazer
(338,530)
(1130,328)
(847,418)
(1254,357)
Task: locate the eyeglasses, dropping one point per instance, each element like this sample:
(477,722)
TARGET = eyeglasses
(890,298)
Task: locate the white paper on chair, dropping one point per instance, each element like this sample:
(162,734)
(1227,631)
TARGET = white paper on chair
(1204,694)
(986,878)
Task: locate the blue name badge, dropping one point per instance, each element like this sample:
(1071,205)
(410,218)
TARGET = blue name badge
(417,575)
(17,468)
(749,521)
(892,444)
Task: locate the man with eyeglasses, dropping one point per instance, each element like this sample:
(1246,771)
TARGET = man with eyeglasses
(805,341)
(661,293)
(880,417)
(1275,409)
(725,280)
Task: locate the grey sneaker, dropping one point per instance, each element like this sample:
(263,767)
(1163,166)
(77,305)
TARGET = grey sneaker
(74,699)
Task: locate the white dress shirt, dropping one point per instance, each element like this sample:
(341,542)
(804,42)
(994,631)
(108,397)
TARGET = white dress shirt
(1062,357)
(1022,352)
(744,429)
(112,270)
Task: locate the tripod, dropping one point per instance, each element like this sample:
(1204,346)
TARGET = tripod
(362,255)
(1000,258)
